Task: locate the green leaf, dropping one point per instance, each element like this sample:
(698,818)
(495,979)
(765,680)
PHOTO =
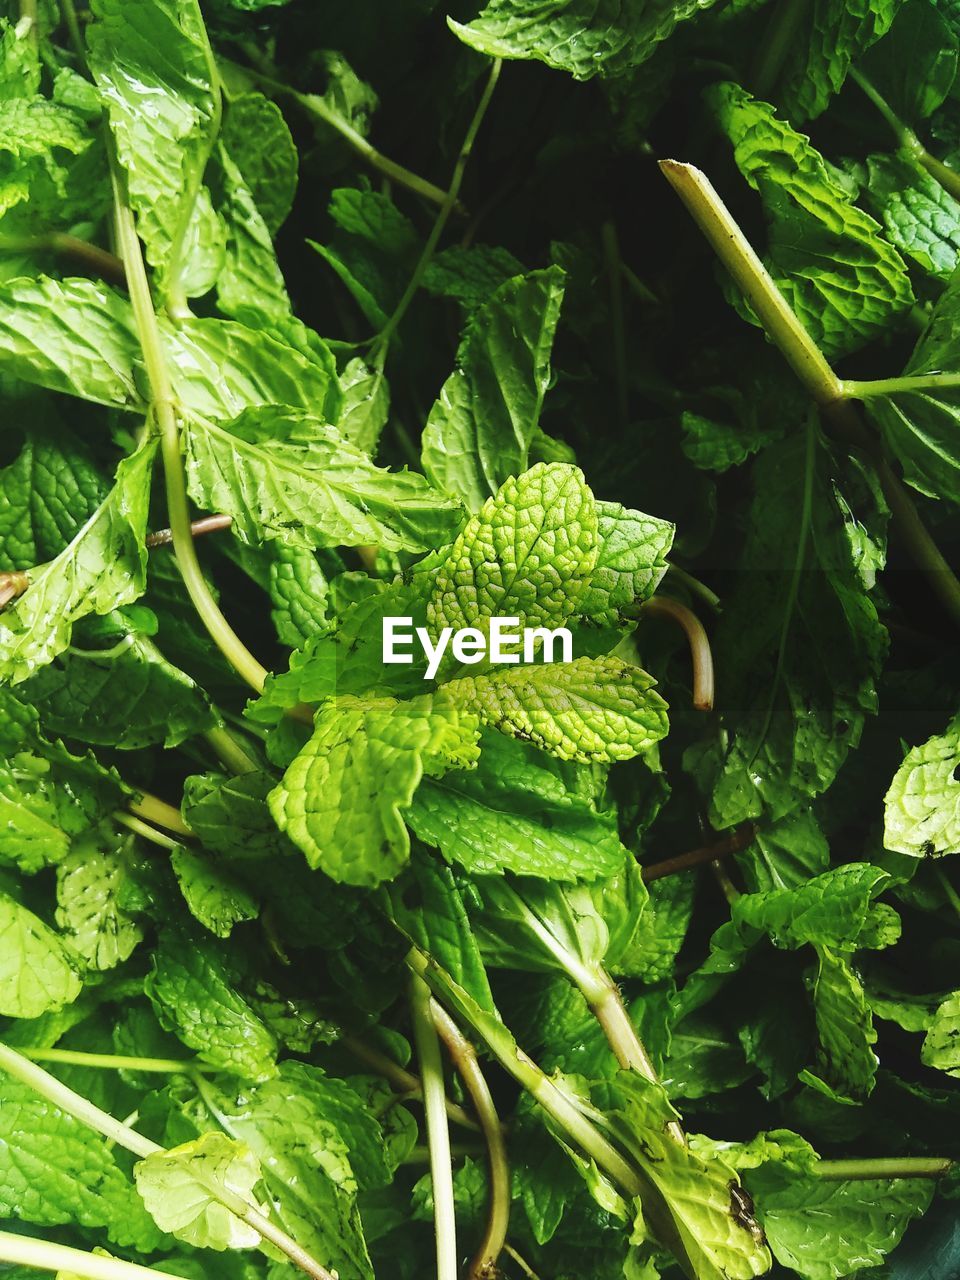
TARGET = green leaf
(941,1046)
(258,141)
(286,475)
(835,909)
(37,973)
(528,553)
(230,815)
(103,567)
(846,1063)
(577,36)
(915,64)
(366,405)
(479,431)
(90,883)
(179,1189)
(250,285)
(846,284)
(376,749)
(825,1230)
(214,897)
(518,811)
(785,854)
(832,35)
(158,81)
(591,709)
(471,275)
(316,1144)
(192,989)
(55,1171)
(630,565)
(801,651)
(922,806)
(919,217)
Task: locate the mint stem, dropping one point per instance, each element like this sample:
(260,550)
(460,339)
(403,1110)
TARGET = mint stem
(891,1167)
(140,828)
(948,178)
(438,1132)
(115,1061)
(697,639)
(153,809)
(697,857)
(754,280)
(464,1058)
(27,1251)
(781,32)
(68,13)
(154,358)
(100,261)
(206,524)
(231,752)
(405,1082)
(900,386)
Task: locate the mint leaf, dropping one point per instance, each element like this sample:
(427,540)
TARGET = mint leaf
(940,1045)
(591,709)
(48,494)
(90,884)
(630,565)
(843,280)
(922,807)
(37,971)
(288,476)
(230,815)
(258,141)
(919,217)
(214,897)
(376,747)
(835,909)
(846,1065)
(480,430)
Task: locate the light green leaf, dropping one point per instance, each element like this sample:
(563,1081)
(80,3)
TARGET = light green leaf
(317,1145)
(250,285)
(630,565)
(922,807)
(179,1188)
(300,593)
(55,1171)
(941,1046)
(192,988)
(479,431)
(287,475)
(258,141)
(343,799)
(102,568)
(844,281)
(835,909)
(37,974)
(518,811)
(90,883)
(825,1230)
(591,709)
(158,82)
(528,553)
(832,35)
(578,36)
(846,1063)
(366,405)
(214,897)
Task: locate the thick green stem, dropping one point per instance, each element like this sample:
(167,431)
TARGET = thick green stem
(754,280)
(438,1133)
(26,1251)
(140,828)
(900,386)
(892,1167)
(382,340)
(100,261)
(158,376)
(402,1080)
(153,809)
(230,751)
(68,13)
(465,1060)
(115,1061)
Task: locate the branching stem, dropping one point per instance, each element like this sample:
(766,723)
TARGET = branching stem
(948,178)
(100,261)
(918,382)
(697,857)
(438,1133)
(403,1081)
(27,1251)
(465,1061)
(698,640)
(206,524)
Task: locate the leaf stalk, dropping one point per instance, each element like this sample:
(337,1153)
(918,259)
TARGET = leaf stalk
(438,1132)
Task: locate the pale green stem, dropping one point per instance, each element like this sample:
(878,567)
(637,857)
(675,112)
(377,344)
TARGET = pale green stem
(382,340)
(900,386)
(892,1167)
(74,1104)
(115,1061)
(464,1058)
(153,809)
(68,12)
(145,830)
(438,1133)
(754,280)
(158,376)
(701,655)
(42,1255)
(951,894)
(695,586)
(30,10)
(402,1080)
(230,751)
(95,259)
